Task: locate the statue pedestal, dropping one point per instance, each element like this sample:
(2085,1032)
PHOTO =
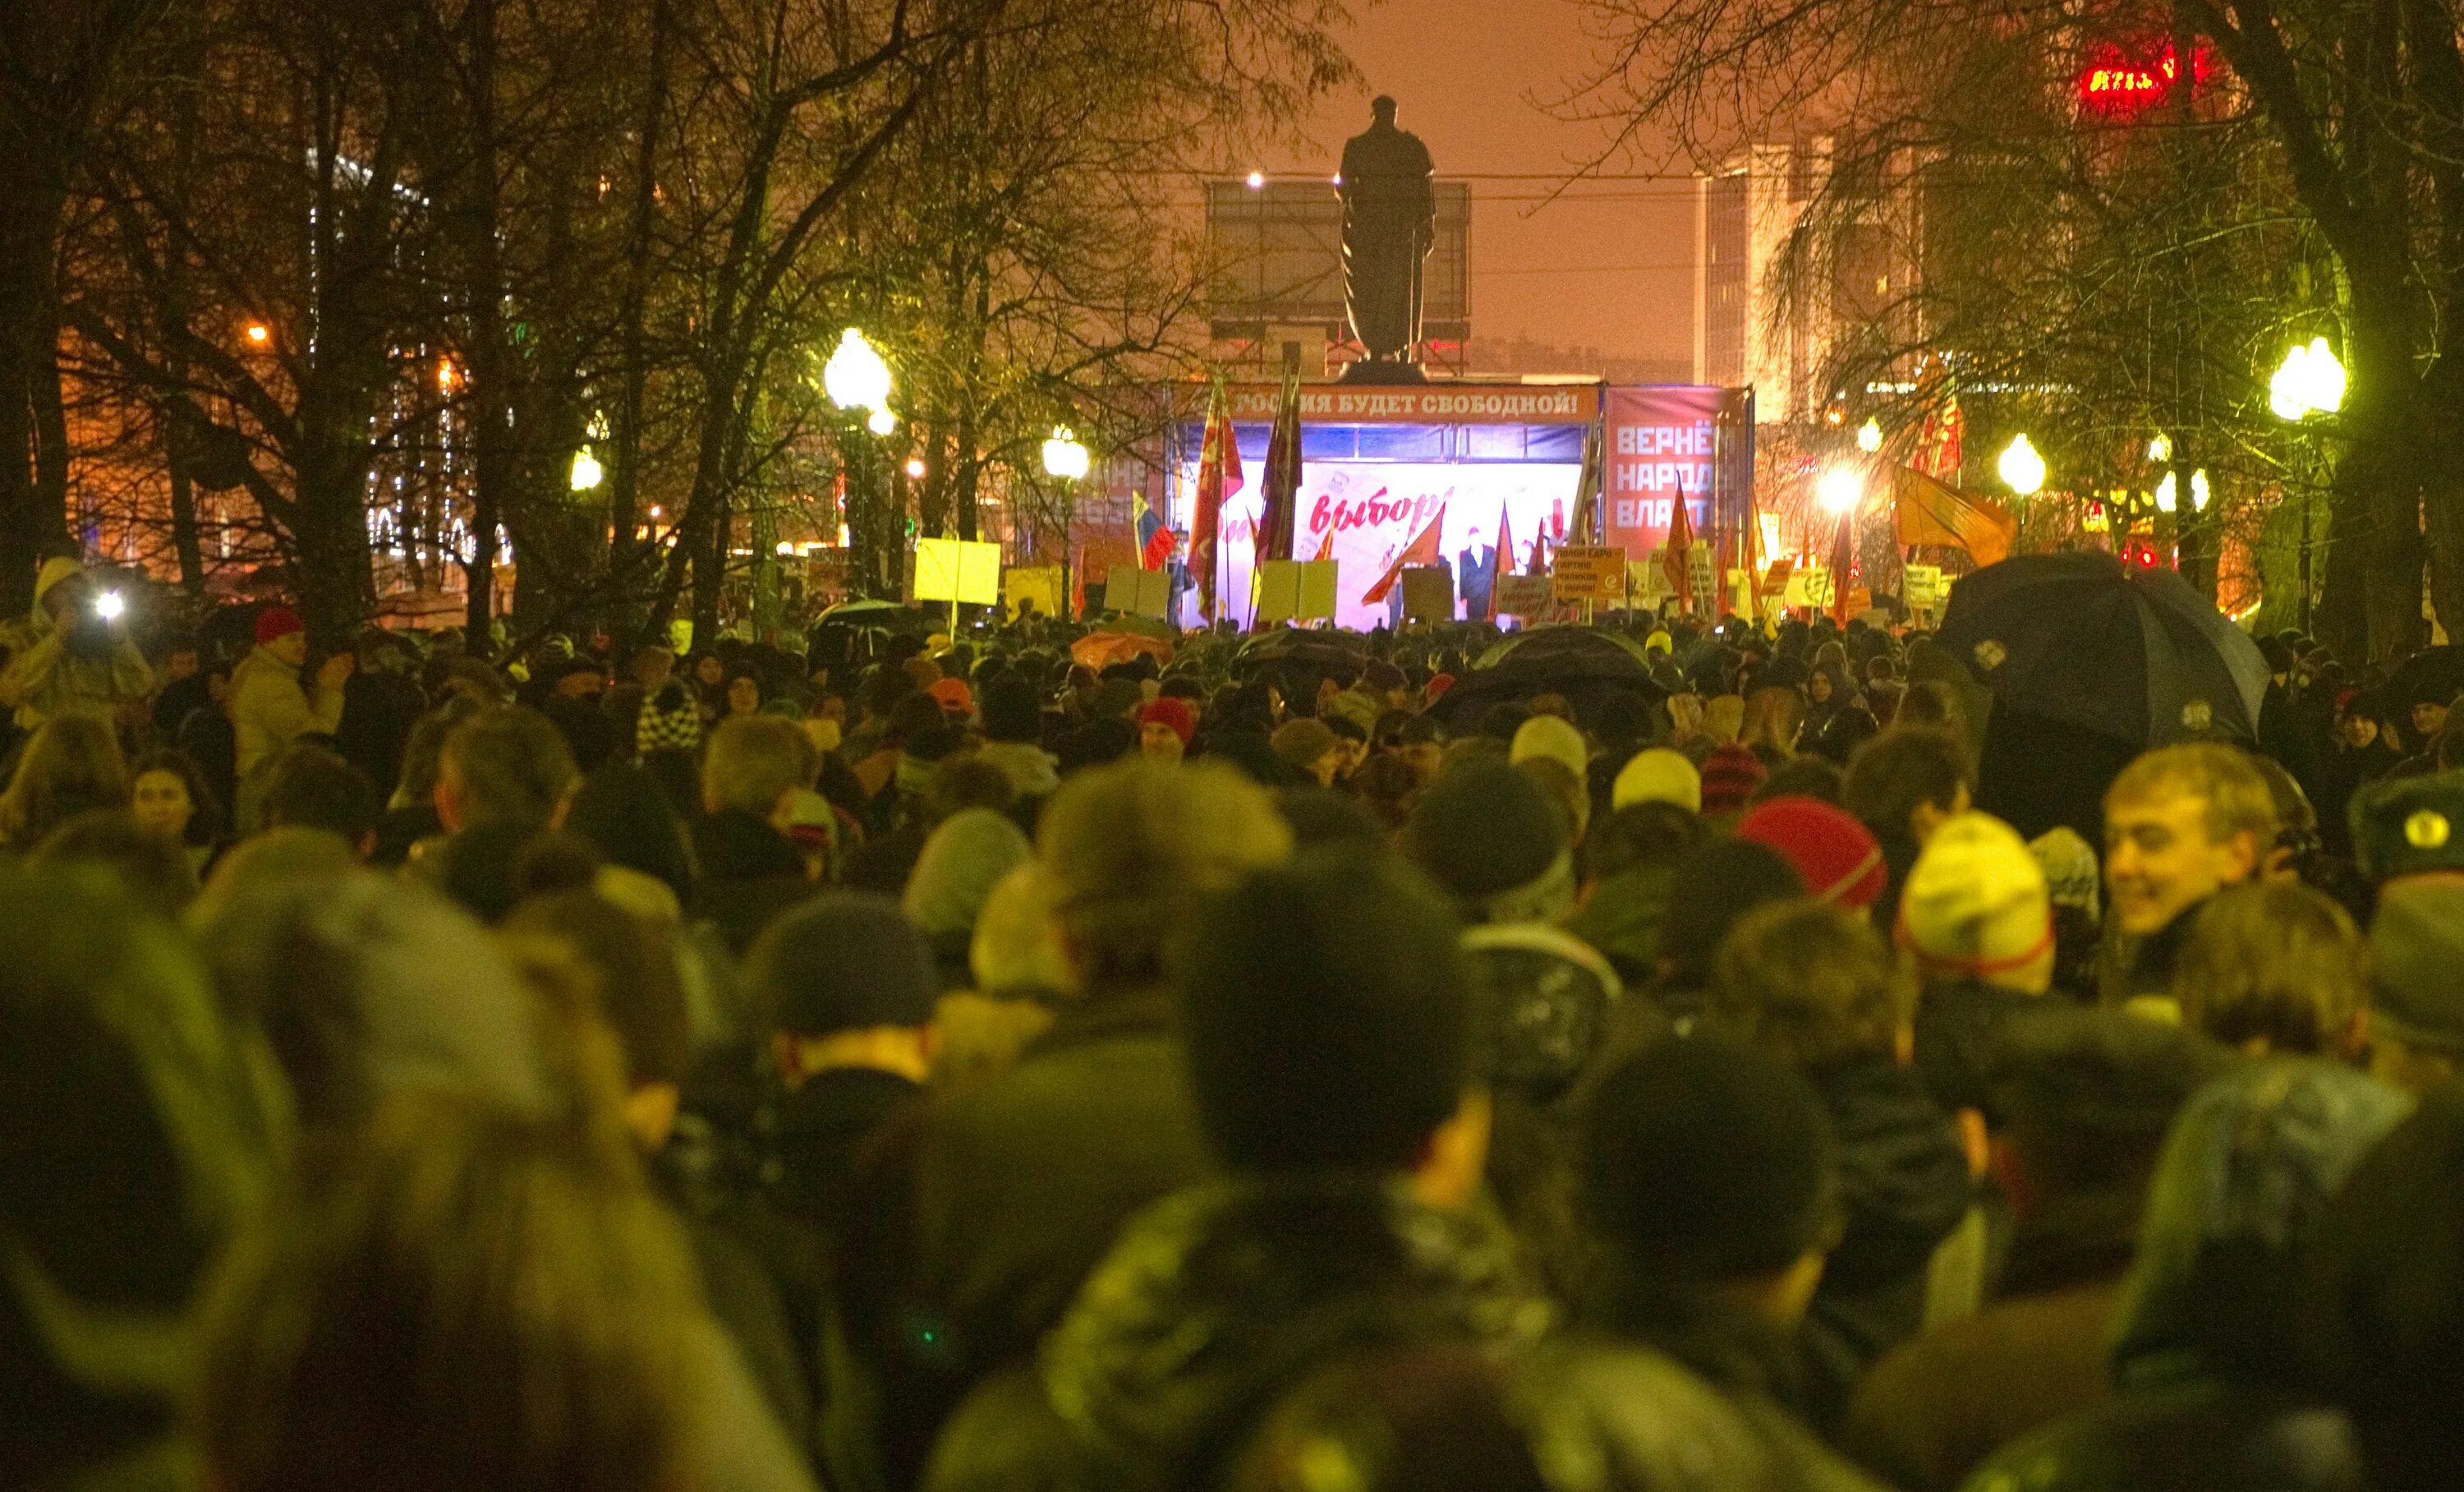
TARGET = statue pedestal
(1372,371)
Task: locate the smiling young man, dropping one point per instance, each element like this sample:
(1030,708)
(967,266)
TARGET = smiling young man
(2181,824)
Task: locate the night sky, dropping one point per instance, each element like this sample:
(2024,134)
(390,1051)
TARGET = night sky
(1610,266)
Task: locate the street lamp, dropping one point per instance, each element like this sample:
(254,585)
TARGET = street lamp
(855,377)
(1064,457)
(2021,469)
(1869,435)
(587,473)
(1839,490)
(2309,381)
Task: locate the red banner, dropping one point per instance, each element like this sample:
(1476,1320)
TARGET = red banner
(1664,439)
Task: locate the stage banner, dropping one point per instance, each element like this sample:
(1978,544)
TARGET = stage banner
(1666,439)
(1362,515)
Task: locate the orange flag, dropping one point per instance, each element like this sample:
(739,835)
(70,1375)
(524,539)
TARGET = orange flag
(1676,561)
(1422,550)
(1931,511)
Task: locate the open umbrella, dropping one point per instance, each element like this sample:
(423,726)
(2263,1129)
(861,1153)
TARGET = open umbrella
(1582,664)
(1101,649)
(2131,654)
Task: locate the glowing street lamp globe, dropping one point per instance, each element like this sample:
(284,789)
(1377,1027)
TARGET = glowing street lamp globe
(587,473)
(1839,490)
(881,422)
(1064,457)
(1869,435)
(2309,381)
(855,377)
(2021,469)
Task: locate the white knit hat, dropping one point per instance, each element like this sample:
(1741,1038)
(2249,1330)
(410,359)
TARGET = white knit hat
(1659,775)
(1975,902)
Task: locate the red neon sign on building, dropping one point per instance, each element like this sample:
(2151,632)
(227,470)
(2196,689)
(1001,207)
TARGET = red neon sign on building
(2119,79)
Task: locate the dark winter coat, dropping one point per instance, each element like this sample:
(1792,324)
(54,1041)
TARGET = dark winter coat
(1213,1303)
(1903,1185)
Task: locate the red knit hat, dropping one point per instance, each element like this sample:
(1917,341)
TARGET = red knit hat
(1730,775)
(1833,855)
(953,696)
(278,621)
(1170,711)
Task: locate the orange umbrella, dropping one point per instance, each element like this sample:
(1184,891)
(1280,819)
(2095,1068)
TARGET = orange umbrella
(1104,649)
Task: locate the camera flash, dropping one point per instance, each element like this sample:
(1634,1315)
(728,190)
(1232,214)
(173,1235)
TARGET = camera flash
(108,606)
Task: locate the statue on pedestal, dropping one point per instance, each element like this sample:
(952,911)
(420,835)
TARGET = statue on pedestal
(1390,218)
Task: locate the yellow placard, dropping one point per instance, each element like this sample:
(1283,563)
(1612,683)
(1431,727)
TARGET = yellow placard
(1039,586)
(1589,575)
(954,569)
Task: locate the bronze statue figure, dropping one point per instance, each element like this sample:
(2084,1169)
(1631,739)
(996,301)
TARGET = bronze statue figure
(1390,218)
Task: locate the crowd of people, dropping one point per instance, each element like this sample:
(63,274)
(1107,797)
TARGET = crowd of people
(933,1064)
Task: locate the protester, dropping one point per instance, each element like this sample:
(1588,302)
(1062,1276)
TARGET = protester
(169,795)
(1902,784)
(1833,855)
(2081,1101)
(2181,824)
(1328,1029)
(1978,923)
(1815,986)
(2209,1388)
(69,655)
(2274,968)
(269,706)
(71,765)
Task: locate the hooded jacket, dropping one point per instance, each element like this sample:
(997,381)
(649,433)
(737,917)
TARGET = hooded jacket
(1905,1185)
(2203,1357)
(1219,1298)
(46,677)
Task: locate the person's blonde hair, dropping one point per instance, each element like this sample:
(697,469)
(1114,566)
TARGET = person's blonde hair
(1127,854)
(2236,796)
(1775,717)
(752,760)
(2277,962)
(1812,985)
(71,764)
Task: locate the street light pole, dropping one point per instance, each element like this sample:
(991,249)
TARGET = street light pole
(1065,462)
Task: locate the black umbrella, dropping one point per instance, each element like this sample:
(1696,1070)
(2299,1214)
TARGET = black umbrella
(2432,674)
(2131,653)
(1580,663)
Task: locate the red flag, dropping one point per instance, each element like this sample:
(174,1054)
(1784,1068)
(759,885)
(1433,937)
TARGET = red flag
(1218,477)
(1281,493)
(1843,559)
(1422,550)
(1505,560)
(1928,511)
(1677,559)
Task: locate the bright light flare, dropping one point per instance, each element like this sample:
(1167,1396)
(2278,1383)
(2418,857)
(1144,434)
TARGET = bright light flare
(855,377)
(259,334)
(881,422)
(915,467)
(1064,457)
(587,473)
(2310,381)
(1256,179)
(110,605)
(1869,435)
(2021,469)
(1839,490)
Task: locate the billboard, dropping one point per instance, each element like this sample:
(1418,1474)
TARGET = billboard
(1664,439)
(1362,514)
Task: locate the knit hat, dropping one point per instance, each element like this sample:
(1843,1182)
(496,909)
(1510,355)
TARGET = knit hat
(278,621)
(1171,712)
(1659,775)
(1835,854)
(1730,776)
(953,696)
(2073,878)
(1301,743)
(963,861)
(1975,902)
(670,721)
(2416,947)
(1551,738)
(843,963)
(1483,830)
